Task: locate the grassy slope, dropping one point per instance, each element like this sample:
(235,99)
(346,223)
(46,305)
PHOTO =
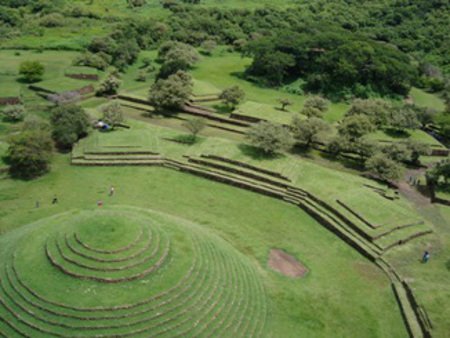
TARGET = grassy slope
(430,281)
(315,306)
(223,70)
(327,183)
(424,99)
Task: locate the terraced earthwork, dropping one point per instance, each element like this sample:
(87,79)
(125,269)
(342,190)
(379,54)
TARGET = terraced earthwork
(125,273)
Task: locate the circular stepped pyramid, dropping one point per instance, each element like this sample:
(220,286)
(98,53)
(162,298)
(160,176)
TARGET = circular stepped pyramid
(125,273)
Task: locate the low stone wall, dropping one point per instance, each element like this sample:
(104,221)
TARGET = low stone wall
(440,152)
(248,166)
(90,77)
(9,100)
(424,320)
(246,118)
(354,213)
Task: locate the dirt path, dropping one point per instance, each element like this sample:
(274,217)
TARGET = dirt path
(410,192)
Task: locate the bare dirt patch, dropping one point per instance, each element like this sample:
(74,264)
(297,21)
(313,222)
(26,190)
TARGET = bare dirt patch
(285,264)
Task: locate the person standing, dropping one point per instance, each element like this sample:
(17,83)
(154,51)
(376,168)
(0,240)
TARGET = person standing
(112,190)
(425,257)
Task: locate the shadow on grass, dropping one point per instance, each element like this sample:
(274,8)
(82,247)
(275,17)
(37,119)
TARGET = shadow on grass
(187,140)
(346,162)
(257,153)
(396,133)
(223,109)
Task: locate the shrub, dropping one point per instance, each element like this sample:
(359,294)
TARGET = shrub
(354,127)
(69,124)
(195,126)
(306,132)
(171,93)
(31,71)
(30,153)
(109,86)
(269,137)
(14,113)
(112,113)
(383,167)
(52,20)
(232,96)
(91,60)
(376,109)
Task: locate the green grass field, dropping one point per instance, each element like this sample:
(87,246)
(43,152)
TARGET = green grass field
(314,306)
(424,99)
(164,228)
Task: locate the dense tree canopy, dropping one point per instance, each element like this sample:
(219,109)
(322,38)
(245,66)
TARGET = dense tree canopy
(69,123)
(29,153)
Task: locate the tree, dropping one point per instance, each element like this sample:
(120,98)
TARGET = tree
(284,103)
(112,113)
(356,126)
(383,167)
(306,132)
(69,124)
(316,102)
(232,96)
(312,112)
(109,85)
(31,71)
(195,125)
(171,93)
(176,56)
(377,110)
(30,153)
(269,137)
(404,118)
(417,149)
(208,46)
(14,113)
(337,145)
(362,147)
(398,152)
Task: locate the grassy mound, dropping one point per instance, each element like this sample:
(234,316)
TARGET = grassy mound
(123,272)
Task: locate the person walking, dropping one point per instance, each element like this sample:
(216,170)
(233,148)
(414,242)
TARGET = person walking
(112,190)
(425,257)
(55,200)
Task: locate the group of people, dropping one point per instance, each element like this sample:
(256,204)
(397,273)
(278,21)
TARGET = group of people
(112,191)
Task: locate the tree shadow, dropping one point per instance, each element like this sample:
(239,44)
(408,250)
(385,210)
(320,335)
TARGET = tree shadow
(257,153)
(223,109)
(344,161)
(397,133)
(187,140)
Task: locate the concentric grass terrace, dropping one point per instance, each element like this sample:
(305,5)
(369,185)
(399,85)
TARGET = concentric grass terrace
(148,275)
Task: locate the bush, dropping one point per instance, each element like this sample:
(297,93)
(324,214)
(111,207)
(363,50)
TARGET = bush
(91,60)
(30,153)
(14,113)
(383,167)
(195,126)
(52,20)
(171,93)
(31,71)
(232,96)
(69,124)
(270,137)
(109,86)
(112,113)
(306,132)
